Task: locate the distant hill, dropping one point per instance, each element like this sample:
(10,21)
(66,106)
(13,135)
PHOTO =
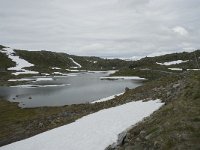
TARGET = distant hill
(45,60)
(192,59)
(159,66)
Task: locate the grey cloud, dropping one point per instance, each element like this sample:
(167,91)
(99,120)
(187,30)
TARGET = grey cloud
(109,28)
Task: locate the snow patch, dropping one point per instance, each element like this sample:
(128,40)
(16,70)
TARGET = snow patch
(92,132)
(78,65)
(106,71)
(39,86)
(194,69)
(45,74)
(55,68)
(57,73)
(23,79)
(72,70)
(44,79)
(172,62)
(124,77)
(106,98)
(72,74)
(177,69)
(20,63)
(23,71)
(75,70)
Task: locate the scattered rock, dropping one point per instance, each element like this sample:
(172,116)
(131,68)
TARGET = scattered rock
(142,133)
(121,137)
(168,93)
(127,89)
(138,139)
(176,85)
(40,124)
(156,143)
(148,137)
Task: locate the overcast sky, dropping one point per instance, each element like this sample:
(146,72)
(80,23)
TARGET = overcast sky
(108,28)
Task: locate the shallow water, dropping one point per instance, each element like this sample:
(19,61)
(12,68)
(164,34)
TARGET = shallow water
(74,89)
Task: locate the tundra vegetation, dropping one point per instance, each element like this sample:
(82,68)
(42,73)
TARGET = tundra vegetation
(173,126)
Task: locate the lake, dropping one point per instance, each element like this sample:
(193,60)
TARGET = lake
(73,88)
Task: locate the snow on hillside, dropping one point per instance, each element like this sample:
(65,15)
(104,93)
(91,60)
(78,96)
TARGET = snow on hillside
(78,65)
(177,69)
(93,132)
(55,68)
(124,77)
(172,62)
(23,71)
(20,63)
(106,98)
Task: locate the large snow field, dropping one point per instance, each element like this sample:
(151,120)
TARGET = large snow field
(172,62)
(20,63)
(93,132)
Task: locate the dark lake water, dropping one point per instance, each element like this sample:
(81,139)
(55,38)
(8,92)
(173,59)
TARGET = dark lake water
(74,89)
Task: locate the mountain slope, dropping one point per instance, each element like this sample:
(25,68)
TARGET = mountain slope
(159,66)
(5,62)
(45,60)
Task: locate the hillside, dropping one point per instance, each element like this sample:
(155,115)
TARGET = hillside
(189,60)
(45,60)
(174,126)
(5,62)
(159,66)
(29,63)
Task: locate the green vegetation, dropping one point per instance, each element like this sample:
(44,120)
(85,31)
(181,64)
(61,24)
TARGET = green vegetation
(175,125)
(148,74)
(5,62)
(148,68)
(45,59)
(150,62)
(96,63)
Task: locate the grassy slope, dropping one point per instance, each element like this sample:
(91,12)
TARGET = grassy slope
(5,63)
(45,59)
(174,126)
(148,68)
(151,61)
(100,64)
